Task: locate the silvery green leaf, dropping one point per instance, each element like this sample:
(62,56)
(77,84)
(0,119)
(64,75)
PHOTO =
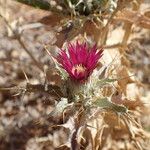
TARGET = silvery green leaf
(105,81)
(106,104)
(62,72)
(59,108)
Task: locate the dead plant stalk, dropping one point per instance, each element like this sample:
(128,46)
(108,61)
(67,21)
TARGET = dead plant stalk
(18,38)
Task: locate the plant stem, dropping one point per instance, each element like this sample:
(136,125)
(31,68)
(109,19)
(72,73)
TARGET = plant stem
(38,64)
(128,27)
(105,30)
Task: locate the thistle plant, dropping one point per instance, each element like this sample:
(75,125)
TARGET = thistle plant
(83,101)
(91,116)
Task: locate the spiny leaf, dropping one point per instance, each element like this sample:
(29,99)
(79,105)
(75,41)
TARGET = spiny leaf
(105,81)
(106,104)
(60,107)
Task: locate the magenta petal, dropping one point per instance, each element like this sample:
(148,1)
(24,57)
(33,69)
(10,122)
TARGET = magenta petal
(72,54)
(80,61)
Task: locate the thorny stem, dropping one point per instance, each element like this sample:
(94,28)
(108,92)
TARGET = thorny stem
(38,64)
(51,89)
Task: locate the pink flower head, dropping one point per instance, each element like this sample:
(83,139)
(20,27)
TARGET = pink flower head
(80,61)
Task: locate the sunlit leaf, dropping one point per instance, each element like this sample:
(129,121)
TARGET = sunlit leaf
(59,108)
(106,104)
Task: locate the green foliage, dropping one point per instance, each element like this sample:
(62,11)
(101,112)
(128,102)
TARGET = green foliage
(106,104)
(59,108)
(75,7)
(36,3)
(87,7)
(105,81)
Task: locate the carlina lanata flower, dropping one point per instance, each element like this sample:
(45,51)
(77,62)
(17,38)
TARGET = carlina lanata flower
(80,60)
